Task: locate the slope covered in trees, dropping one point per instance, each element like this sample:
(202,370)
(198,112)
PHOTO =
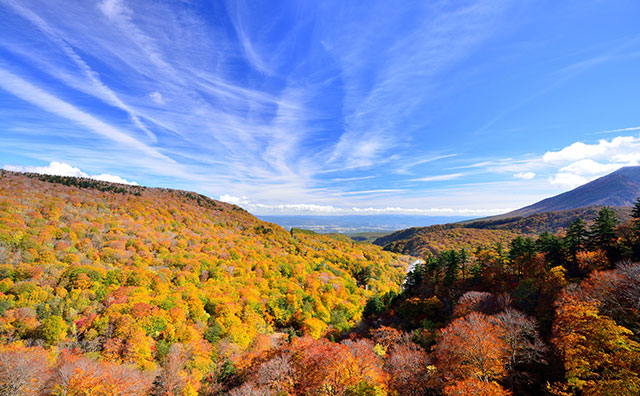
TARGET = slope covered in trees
(165,294)
(140,276)
(557,314)
(431,240)
(617,190)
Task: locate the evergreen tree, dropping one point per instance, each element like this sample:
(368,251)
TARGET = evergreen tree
(522,253)
(575,238)
(433,268)
(635,215)
(450,262)
(414,278)
(502,256)
(551,246)
(574,242)
(374,306)
(603,233)
(464,258)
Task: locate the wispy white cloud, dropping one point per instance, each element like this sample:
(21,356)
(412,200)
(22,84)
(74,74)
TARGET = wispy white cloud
(238,13)
(95,86)
(617,130)
(438,177)
(64,169)
(345,179)
(157,97)
(411,65)
(525,175)
(404,168)
(114,9)
(53,104)
(314,209)
(368,192)
(357,151)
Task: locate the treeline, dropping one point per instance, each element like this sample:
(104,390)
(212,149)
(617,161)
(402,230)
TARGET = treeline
(84,182)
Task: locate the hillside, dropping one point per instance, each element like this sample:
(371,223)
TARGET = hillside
(110,289)
(127,271)
(419,242)
(620,188)
(434,239)
(553,222)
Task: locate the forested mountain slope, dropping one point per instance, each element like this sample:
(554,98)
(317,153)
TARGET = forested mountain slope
(418,241)
(124,272)
(553,221)
(118,290)
(432,240)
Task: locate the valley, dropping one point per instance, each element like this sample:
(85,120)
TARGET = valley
(319,198)
(160,282)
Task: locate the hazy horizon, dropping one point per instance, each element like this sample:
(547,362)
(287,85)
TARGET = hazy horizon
(350,224)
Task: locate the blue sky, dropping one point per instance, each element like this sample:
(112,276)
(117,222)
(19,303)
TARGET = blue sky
(325,107)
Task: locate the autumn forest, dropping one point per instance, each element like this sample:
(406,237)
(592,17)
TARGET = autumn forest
(109,289)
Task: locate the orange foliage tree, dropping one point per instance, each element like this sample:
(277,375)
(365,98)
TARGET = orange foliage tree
(326,368)
(472,347)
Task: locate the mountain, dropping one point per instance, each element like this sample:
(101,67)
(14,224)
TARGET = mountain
(128,271)
(618,189)
(138,291)
(537,223)
(417,241)
(422,241)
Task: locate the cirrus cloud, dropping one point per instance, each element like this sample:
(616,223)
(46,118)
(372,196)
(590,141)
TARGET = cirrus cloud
(439,177)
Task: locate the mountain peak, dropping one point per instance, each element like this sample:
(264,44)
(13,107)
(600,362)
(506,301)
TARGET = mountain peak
(620,188)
